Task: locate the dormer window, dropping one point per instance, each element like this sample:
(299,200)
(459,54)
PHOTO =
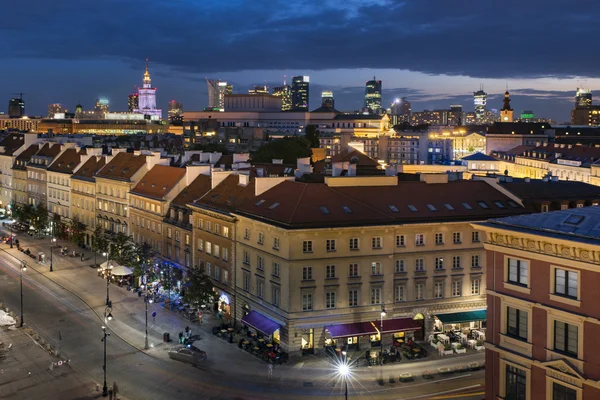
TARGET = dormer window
(180,215)
(172,213)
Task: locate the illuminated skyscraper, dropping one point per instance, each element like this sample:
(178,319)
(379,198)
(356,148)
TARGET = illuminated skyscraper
(480,101)
(400,111)
(300,93)
(16,108)
(147,97)
(583,97)
(327,100)
(455,115)
(175,111)
(262,89)
(55,108)
(133,102)
(373,95)
(285,92)
(216,93)
(102,107)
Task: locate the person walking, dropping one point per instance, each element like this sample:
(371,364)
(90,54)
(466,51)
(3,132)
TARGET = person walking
(110,393)
(82,256)
(270,369)
(115,390)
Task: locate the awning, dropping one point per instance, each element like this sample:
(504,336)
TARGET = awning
(256,320)
(460,317)
(398,325)
(117,270)
(352,329)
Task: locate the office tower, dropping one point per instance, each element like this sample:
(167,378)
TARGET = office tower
(55,108)
(175,111)
(101,107)
(400,111)
(373,95)
(133,102)
(300,93)
(285,92)
(216,93)
(327,100)
(16,107)
(455,116)
(506,113)
(583,97)
(147,97)
(260,89)
(480,100)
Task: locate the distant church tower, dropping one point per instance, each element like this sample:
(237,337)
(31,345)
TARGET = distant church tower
(506,114)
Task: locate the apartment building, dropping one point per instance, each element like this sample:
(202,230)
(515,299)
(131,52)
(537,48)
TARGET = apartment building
(20,193)
(113,184)
(318,261)
(83,193)
(542,305)
(37,182)
(10,147)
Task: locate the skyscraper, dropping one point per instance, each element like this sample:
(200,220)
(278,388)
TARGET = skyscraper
(216,93)
(55,108)
(285,92)
(175,111)
(373,95)
(480,100)
(16,107)
(400,111)
(455,116)
(102,107)
(583,97)
(133,102)
(147,97)
(300,93)
(327,100)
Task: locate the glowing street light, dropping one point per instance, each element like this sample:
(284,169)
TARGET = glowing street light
(344,372)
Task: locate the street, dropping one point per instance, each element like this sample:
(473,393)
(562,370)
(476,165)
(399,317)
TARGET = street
(66,307)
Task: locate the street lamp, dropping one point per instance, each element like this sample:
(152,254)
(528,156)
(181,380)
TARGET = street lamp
(344,372)
(52,243)
(105,335)
(108,272)
(383,314)
(147,299)
(23,269)
(108,314)
(11,234)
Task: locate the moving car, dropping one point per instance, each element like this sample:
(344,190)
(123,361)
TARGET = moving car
(188,354)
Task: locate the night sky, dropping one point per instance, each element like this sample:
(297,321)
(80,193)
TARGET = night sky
(435,52)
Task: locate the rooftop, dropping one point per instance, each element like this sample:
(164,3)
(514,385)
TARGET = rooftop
(50,150)
(159,181)
(89,169)
(67,161)
(536,189)
(228,194)
(479,157)
(123,166)
(28,153)
(12,143)
(195,190)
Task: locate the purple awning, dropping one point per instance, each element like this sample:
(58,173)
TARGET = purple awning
(398,325)
(352,329)
(256,320)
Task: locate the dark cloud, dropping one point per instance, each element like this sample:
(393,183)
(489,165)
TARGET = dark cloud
(480,39)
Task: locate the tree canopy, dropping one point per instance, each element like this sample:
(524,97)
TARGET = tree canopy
(312,135)
(289,149)
(199,288)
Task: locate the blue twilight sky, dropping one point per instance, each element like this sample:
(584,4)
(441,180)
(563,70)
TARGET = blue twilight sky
(435,52)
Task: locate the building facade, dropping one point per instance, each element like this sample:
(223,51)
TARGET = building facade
(37,171)
(300,93)
(20,192)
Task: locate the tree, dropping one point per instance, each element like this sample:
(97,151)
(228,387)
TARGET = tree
(39,220)
(77,231)
(99,242)
(60,228)
(312,135)
(199,288)
(290,149)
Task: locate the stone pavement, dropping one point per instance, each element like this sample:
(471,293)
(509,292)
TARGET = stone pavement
(128,310)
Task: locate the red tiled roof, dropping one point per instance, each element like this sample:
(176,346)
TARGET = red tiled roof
(49,150)
(159,181)
(67,161)
(12,143)
(123,166)
(28,153)
(195,190)
(299,205)
(228,195)
(347,156)
(89,169)
(517,151)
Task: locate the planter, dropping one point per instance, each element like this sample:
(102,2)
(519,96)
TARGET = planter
(444,370)
(427,374)
(459,368)
(406,377)
(447,352)
(460,351)
(473,366)
(479,348)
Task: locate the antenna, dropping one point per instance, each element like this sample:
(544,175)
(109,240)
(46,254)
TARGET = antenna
(284,80)
(20,95)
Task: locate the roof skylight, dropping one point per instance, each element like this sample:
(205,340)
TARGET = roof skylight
(273,206)
(482,204)
(499,204)
(393,208)
(431,207)
(347,209)
(324,210)
(449,206)
(412,208)
(467,206)
(258,203)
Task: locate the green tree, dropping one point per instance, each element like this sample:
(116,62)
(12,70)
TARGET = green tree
(77,231)
(199,289)
(99,242)
(59,227)
(312,135)
(289,149)
(39,220)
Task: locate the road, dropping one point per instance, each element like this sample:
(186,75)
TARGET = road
(65,319)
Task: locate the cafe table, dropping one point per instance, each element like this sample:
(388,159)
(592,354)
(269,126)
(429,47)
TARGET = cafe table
(269,345)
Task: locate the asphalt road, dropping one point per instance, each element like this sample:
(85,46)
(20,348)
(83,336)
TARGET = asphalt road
(64,319)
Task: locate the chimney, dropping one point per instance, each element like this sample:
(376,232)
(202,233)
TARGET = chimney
(527,180)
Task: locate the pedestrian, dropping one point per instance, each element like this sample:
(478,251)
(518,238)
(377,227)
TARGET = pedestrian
(110,393)
(181,337)
(270,369)
(115,390)
(82,256)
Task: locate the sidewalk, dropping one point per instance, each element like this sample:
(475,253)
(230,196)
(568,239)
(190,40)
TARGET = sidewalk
(128,323)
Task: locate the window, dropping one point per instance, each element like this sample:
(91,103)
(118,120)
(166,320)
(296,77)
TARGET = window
(208,248)
(456,262)
(516,383)
(260,288)
(420,239)
(307,273)
(226,231)
(260,263)
(439,238)
(516,324)
(169,233)
(247,233)
(376,295)
(456,288)
(307,246)
(330,300)
(353,298)
(353,243)
(376,242)
(275,295)
(438,290)
(353,270)
(330,244)
(456,237)
(545,208)
(225,254)
(439,263)
(261,238)
(475,287)
(400,266)
(246,257)
(275,269)
(566,283)
(217,273)
(208,269)
(565,338)
(307,302)
(475,237)
(419,265)
(518,272)
(208,226)
(329,271)
(275,243)
(376,268)
(419,289)
(400,293)
(400,241)
(560,392)
(475,261)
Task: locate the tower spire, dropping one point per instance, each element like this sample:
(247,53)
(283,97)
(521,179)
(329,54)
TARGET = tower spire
(147,80)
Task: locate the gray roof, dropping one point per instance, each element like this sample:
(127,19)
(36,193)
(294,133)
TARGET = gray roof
(479,157)
(579,224)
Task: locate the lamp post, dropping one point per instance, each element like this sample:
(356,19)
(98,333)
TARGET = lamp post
(105,335)
(344,371)
(23,269)
(383,313)
(11,234)
(147,299)
(52,242)
(108,314)
(108,273)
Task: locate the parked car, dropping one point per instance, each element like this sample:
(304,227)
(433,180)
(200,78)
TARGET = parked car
(188,354)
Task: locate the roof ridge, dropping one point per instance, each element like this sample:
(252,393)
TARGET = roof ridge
(297,203)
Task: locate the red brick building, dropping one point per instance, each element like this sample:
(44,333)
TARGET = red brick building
(543,306)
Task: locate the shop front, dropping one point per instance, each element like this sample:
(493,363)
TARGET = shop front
(465,322)
(222,305)
(345,337)
(400,330)
(263,324)
(308,341)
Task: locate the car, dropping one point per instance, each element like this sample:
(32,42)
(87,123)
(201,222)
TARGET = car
(188,354)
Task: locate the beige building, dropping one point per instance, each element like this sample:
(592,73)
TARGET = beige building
(321,260)
(37,183)
(10,148)
(20,194)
